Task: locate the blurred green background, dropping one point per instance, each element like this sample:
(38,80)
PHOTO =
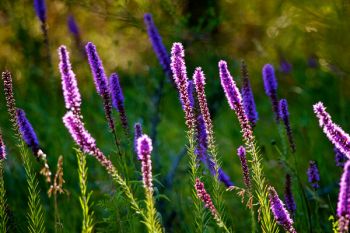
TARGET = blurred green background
(311,36)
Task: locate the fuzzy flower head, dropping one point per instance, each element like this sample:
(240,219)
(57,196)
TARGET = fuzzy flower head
(73,26)
(180,77)
(10,99)
(279,211)
(338,137)
(234,99)
(248,97)
(241,152)
(27,132)
(270,85)
(205,198)
(313,175)
(339,157)
(158,46)
(2,148)
(40,9)
(288,196)
(343,206)
(70,89)
(144,150)
(284,115)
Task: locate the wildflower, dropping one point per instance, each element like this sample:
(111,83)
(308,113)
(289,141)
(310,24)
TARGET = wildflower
(343,207)
(284,115)
(144,150)
(70,89)
(158,46)
(270,84)
(40,10)
(180,77)
(241,152)
(190,92)
(206,199)
(86,142)
(313,175)
(10,99)
(339,158)
(280,213)
(285,66)
(288,196)
(339,138)
(2,148)
(234,99)
(27,132)
(248,97)
(72,26)
(137,135)
(118,100)
(101,81)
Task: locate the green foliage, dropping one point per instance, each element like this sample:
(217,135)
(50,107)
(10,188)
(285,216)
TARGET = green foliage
(84,198)
(3,205)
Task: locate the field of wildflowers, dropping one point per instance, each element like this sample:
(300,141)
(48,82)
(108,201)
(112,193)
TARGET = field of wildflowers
(170,116)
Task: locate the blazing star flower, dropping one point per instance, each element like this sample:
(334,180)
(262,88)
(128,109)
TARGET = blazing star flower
(288,196)
(313,174)
(199,80)
(137,135)
(10,99)
(144,150)
(2,148)
(84,140)
(242,157)
(335,134)
(70,89)
(343,207)
(118,100)
(280,213)
(339,158)
(234,99)
(27,132)
(101,81)
(73,26)
(158,46)
(206,199)
(285,66)
(180,77)
(270,84)
(40,10)
(284,115)
(248,97)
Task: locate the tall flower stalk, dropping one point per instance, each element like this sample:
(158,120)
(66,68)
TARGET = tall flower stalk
(284,116)
(144,150)
(3,205)
(235,102)
(35,213)
(270,84)
(343,207)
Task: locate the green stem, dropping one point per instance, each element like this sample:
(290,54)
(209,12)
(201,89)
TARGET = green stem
(3,205)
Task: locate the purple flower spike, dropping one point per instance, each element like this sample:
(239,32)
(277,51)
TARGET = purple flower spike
(234,99)
(335,134)
(284,115)
(101,81)
(84,140)
(343,207)
(340,158)
(137,135)
(158,46)
(285,66)
(10,99)
(27,132)
(144,150)
(118,100)
(199,80)
(248,97)
(73,26)
(70,89)
(280,213)
(205,198)
(242,157)
(288,196)
(180,77)
(190,92)
(40,10)
(2,148)
(270,84)
(313,174)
